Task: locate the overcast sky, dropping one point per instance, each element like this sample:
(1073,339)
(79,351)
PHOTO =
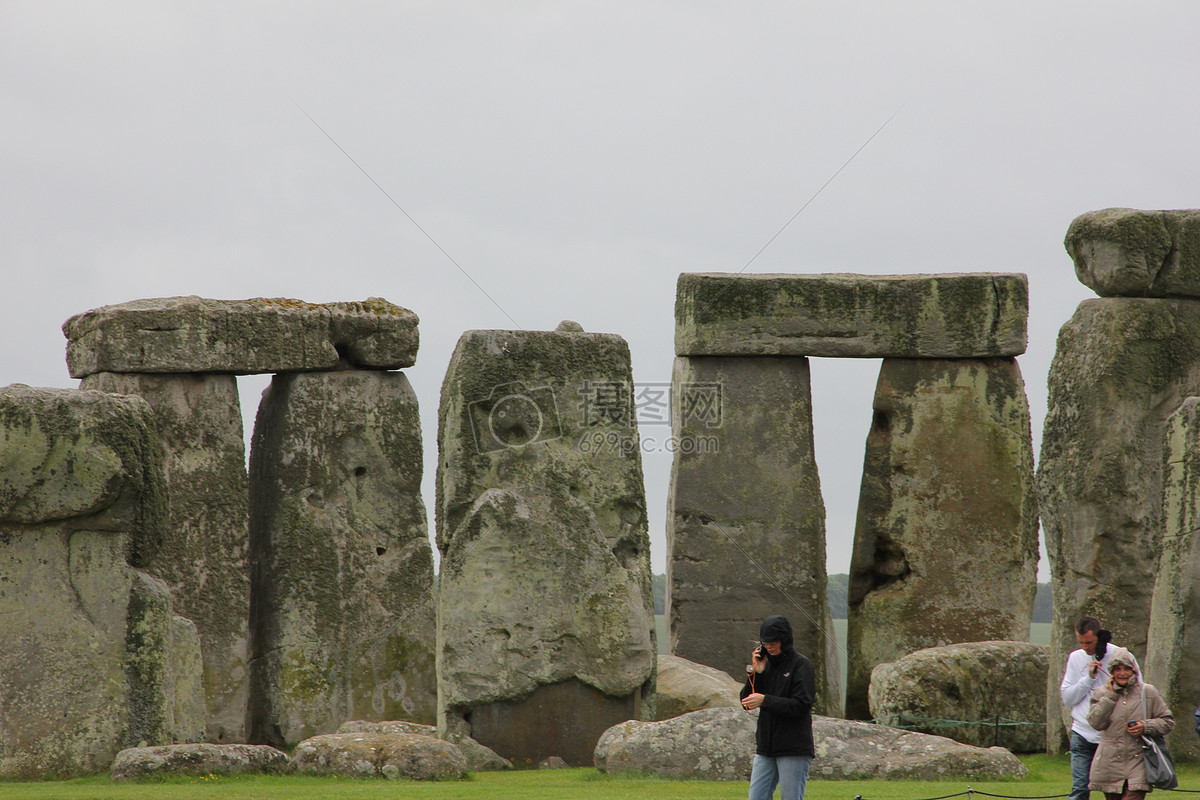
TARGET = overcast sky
(573,158)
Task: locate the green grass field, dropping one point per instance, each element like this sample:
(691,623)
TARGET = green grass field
(1050,776)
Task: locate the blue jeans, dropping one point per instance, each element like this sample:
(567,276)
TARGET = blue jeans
(1082,752)
(789,772)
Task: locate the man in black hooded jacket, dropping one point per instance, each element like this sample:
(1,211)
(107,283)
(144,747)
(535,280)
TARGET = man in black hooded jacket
(782,685)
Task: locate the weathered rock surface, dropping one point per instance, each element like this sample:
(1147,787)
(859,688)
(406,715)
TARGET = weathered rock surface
(683,686)
(945,546)
(195,334)
(391,755)
(1173,646)
(478,757)
(341,610)
(1122,367)
(387,726)
(545,620)
(90,642)
(69,454)
(204,555)
(1123,252)
(1004,682)
(745,521)
(718,744)
(973,315)
(715,744)
(198,759)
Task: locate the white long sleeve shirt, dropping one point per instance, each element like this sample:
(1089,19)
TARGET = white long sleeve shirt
(1076,690)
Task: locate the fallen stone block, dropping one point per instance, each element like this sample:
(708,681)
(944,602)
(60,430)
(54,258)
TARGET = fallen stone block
(718,745)
(261,335)
(682,686)
(1002,685)
(967,315)
(479,758)
(390,755)
(198,759)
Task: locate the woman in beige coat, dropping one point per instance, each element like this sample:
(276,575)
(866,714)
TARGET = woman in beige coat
(1122,710)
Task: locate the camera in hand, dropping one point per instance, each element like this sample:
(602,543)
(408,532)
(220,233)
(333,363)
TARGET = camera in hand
(1103,637)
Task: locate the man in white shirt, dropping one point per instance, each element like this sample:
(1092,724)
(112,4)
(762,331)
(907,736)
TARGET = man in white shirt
(1085,671)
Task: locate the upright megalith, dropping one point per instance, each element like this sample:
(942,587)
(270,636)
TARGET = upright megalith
(94,660)
(945,547)
(1173,646)
(341,612)
(545,607)
(1123,365)
(746,523)
(205,553)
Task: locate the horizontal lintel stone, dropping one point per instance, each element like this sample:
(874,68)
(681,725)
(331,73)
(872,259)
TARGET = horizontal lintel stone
(261,335)
(953,315)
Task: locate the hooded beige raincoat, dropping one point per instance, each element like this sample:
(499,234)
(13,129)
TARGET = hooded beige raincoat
(1119,757)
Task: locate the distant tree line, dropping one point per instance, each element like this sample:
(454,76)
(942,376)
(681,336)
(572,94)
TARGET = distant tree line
(835,590)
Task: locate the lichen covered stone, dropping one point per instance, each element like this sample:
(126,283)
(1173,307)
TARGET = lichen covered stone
(999,686)
(261,335)
(205,551)
(1121,368)
(746,521)
(1173,642)
(718,745)
(1123,252)
(545,574)
(90,641)
(945,545)
(342,612)
(971,315)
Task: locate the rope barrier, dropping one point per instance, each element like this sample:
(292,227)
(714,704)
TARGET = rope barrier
(969,792)
(934,723)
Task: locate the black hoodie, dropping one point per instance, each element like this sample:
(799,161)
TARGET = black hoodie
(789,686)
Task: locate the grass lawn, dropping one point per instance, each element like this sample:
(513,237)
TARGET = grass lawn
(1049,776)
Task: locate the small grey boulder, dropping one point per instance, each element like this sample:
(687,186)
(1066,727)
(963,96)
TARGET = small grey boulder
(366,754)
(198,759)
(683,686)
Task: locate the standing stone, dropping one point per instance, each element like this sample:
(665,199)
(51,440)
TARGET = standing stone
(204,555)
(1122,366)
(945,547)
(1173,648)
(545,606)
(341,613)
(746,523)
(87,667)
